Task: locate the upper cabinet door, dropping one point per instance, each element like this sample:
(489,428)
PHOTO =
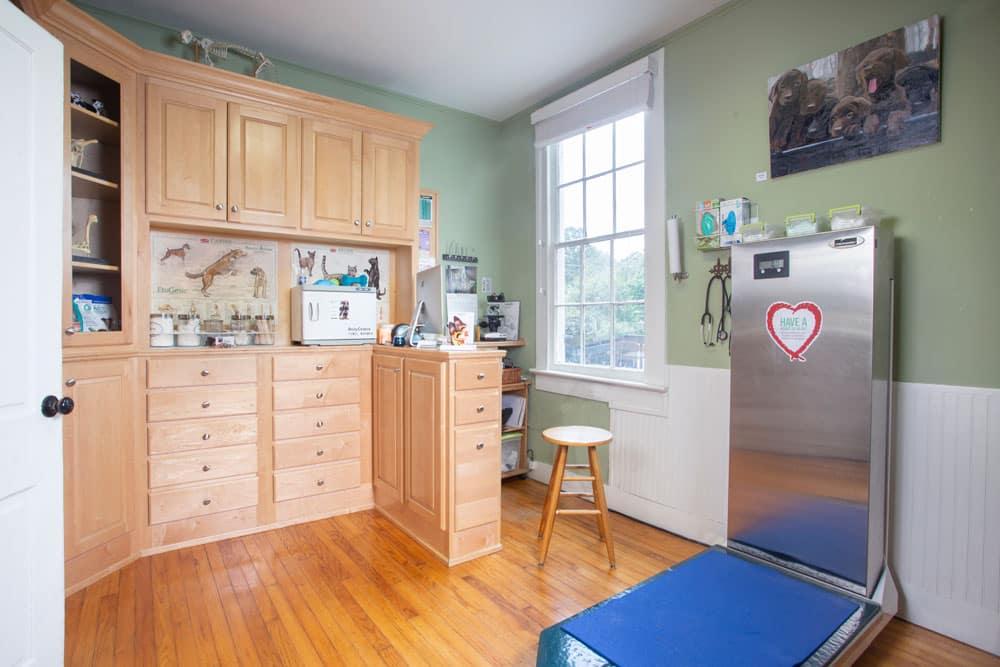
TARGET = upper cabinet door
(389,201)
(331,177)
(185,153)
(264,172)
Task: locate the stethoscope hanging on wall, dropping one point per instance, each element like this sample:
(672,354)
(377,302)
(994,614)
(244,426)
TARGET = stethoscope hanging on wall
(710,333)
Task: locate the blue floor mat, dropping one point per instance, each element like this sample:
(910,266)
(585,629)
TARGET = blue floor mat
(713,609)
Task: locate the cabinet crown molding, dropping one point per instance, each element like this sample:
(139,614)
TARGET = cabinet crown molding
(65,20)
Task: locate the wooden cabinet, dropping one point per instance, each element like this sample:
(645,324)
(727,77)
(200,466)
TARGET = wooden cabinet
(186,156)
(389,187)
(331,177)
(210,158)
(424,437)
(202,450)
(98,239)
(321,424)
(264,177)
(97,467)
(437,448)
(357,182)
(387,436)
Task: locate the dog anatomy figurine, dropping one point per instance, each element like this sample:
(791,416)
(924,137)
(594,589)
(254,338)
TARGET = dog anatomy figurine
(176,252)
(259,282)
(224,266)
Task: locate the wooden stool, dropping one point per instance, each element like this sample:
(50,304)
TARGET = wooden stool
(564,437)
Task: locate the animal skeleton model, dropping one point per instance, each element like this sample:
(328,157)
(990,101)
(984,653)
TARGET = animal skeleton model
(84,246)
(78,148)
(211,48)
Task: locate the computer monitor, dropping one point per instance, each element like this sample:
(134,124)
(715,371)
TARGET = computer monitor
(430,293)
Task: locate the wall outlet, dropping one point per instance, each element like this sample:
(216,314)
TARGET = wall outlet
(761,176)
(487,287)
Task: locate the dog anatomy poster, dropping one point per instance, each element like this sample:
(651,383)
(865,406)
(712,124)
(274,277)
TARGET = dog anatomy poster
(211,274)
(366,267)
(880,96)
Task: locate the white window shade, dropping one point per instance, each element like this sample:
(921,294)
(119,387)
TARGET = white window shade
(615,96)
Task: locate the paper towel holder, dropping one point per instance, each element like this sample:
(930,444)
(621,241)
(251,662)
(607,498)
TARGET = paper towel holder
(674,248)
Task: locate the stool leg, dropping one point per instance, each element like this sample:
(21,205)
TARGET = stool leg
(602,504)
(552,501)
(548,494)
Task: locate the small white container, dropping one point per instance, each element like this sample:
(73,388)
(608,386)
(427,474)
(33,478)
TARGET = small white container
(161,330)
(188,331)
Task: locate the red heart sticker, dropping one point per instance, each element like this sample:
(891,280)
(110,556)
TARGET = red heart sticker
(794,328)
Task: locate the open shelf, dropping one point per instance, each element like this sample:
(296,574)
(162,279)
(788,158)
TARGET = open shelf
(91,187)
(500,343)
(516,472)
(93,267)
(513,429)
(88,125)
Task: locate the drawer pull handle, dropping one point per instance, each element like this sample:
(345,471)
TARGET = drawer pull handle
(319,424)
(206,468)
(480,445)
(319,367)
(481,408)
(320,394)
(204,372)
(205,404)
(71,382)
(220,206)
(320,482)
(206,501)
(206,436)
(320,452)
(481,376)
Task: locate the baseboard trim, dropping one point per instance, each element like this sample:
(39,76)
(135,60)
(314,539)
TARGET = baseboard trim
(974,626)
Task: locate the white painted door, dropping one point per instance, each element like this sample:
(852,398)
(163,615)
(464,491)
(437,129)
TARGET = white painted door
(31,193)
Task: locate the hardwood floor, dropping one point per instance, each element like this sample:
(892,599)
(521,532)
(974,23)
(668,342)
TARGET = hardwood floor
(355,590)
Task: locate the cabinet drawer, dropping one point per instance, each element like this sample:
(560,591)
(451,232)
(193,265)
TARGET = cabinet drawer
(477,476)
(199,500)
(472,407)
(312,480)
(317,421)
(473,374)
(315,366)
(307,451)
(188,403)
(166,437)
(199,372)
(316,393)
(202,465)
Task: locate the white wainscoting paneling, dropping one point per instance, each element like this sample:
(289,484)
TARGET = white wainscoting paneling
(945,522)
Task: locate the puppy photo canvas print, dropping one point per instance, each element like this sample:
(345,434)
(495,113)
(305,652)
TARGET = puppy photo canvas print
(880,96)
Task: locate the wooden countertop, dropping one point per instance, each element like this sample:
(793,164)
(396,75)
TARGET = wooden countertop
(439,355)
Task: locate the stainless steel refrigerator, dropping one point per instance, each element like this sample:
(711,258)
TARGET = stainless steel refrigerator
(811,371)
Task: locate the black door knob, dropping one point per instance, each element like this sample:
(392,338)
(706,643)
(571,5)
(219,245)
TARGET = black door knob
(66,405)
(50,406)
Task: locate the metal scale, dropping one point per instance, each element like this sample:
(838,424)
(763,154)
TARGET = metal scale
(808,475)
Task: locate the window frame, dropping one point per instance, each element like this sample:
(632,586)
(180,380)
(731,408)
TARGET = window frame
(594,381)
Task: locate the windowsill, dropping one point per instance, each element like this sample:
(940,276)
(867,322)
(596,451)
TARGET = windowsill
(618,394)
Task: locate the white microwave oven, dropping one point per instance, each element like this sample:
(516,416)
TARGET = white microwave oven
(332,315)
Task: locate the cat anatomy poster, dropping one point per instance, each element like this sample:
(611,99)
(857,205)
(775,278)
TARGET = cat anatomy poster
(205,274)
(345,266)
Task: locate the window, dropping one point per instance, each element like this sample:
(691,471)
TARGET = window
(597,212)
(600,267)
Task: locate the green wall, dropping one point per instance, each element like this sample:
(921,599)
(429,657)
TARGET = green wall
(454,156)
(938,198)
